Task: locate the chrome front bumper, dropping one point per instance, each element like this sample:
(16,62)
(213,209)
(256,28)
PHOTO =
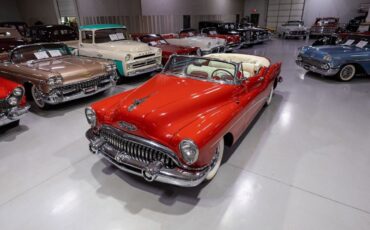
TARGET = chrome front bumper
(13,114)
(57,96)
(218,49)
(153,171)
(232,47)
(316,69)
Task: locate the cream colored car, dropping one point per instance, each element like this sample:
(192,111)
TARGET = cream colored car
(110,41)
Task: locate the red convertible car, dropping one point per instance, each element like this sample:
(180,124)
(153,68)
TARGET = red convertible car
(12,102)
(173,128)
(167,49)
(233,40)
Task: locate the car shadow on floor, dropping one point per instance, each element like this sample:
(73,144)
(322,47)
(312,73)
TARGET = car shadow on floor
(359,78)
(170,197)
(9,133)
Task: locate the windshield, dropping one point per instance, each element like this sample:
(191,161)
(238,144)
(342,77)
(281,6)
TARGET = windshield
(153,40)
(38,52)
(201,69)
(358,41)
(110,35)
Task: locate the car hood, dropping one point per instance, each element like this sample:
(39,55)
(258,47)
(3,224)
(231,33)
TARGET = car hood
(165,104)
(201,42)
(71,68)
(126,46)
(338,50)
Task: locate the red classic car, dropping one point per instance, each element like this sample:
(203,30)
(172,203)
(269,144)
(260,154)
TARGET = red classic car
(167,49)
(233,41)
(173,128)
(12,102)
(324,26)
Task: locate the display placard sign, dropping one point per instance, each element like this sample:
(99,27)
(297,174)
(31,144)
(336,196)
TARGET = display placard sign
(55,53)
(361,44)
(113,37)
(41,55)
(349,42)
(120,36)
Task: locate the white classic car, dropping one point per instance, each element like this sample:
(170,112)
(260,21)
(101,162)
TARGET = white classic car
(190,38)
(109,41)
(293,29)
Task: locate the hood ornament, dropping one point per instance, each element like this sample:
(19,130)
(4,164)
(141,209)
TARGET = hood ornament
(136,103)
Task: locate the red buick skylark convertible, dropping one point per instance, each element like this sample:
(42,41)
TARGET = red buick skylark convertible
(173,128)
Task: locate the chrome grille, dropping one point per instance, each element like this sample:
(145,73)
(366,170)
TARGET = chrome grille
(311,61)
(4,105)
(136,150)
(297,32)
(144,56)
(99,82)
(142,64)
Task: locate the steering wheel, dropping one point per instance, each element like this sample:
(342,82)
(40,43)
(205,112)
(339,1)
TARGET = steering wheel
(222,77)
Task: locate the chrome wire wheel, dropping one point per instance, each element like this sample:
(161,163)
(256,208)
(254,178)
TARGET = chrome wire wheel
(216,163)
(347,73)
(37,97)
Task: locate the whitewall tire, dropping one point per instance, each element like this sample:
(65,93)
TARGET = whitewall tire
(347,73)
(217,160)
(37,97)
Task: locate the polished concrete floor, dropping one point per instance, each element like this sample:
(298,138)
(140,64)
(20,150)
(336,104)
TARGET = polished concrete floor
(303,164)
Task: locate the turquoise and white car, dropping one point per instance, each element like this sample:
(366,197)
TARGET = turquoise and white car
(110,41)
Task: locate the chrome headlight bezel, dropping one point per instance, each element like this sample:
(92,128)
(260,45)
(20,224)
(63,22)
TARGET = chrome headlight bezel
(199,52)
(18,92)
(189,151)
(90,116)
(13,100)
(327,58)
(54,81)
(128,57)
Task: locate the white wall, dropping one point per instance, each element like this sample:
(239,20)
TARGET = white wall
(344,9)
(192,7)
(9,11)
(32,11)
(261,9)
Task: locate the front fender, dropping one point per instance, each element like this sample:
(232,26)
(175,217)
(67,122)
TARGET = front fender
(206,132)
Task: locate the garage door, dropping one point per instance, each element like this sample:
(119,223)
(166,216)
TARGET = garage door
(280,11)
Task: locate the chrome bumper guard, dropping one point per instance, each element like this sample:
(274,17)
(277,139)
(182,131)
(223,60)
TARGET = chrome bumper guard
(135,72)
(58,96)
(14,114)
(154,171)
(316,69)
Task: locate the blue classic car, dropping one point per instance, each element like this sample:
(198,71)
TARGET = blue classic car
(345,60)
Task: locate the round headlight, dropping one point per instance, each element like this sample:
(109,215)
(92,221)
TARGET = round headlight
(327,58)
(18,92)
(199,53)
(13,101)
(189,151)
(90,116)
(128,57)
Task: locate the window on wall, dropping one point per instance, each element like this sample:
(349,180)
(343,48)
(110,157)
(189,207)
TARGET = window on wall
(281,11)
(187,22)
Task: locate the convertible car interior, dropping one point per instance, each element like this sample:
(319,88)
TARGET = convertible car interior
(250,64)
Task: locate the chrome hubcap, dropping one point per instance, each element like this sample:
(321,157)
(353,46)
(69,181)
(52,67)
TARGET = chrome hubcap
(37,97)
(347,72)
